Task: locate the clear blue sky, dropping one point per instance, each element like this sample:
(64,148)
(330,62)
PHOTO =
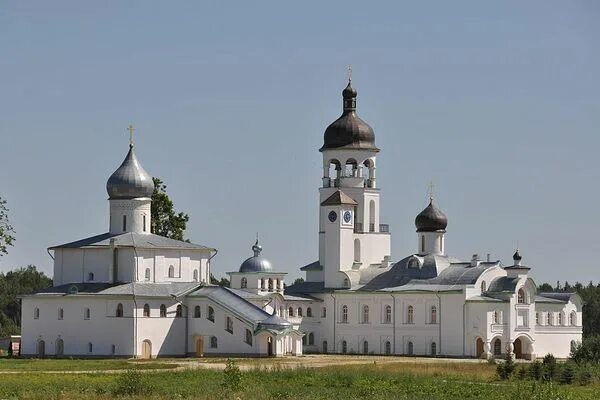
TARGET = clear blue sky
(498,102)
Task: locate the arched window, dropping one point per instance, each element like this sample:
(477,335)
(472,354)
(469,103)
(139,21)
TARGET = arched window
(433,348)
(304,340)
(119,312)
(365,315)
(195,278)
(346,282)
(309,312)
(244,283)
(60,347)
(197,313)
(410,318)
(213,342)
(171,271)
(147,310)
(483,287)
(325,346)
(124,223)
(299,311)
(560,319)
(496,319)
(90,276)
(290,312)
(351,168)
(324,312)
(113,349)
(521,296)
(345,314)
(147,274)
(410,348)
(344,347)
(36,313)
(211,314)
(86,313)
(163,311)
(433,316)
(422,244)
(279,284)
(388,348)
(179,311)
(573,318)
(334,169)
(549,318)
(365,347)
(497,347)
(264,283)
(229,324)
(311,339)
(61,313)
(281,312)
(144,223)
(248,337)
(372,216)
(356,250)
(270,285)
(388,315)
(90,348)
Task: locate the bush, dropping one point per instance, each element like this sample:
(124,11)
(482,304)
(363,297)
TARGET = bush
(550,367)
(567,375)
(584,375)
(522,373)
(535,370)
(587,351)
(505,370)
(131,383)
(232,376)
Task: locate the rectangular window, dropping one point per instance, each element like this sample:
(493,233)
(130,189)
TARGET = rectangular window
(124,223)
(144,227)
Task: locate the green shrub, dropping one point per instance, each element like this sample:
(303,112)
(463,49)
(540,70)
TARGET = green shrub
(232,376)
(567,375)
(522,373)
(584,375)
(536,370)
(550,367)
(587,351)
(132,383)
(505,369)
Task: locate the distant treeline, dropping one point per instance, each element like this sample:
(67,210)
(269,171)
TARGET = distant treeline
(12,284)
(591,303)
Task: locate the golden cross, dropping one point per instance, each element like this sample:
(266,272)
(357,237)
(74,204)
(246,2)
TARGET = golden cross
(131,129)
(349,73)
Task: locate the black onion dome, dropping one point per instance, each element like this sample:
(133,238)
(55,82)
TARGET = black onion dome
(349,131)
(517,256)
(130,180)
(431,219)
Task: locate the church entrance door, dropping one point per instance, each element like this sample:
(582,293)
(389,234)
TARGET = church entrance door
(146,349)
(199,346)
(479,345)
(270,347)
(518,345)
(60,347)
(41,349)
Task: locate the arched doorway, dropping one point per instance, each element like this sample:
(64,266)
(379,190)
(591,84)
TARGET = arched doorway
(518,348)
(60,348)
(479,347)
(325,346)
(497,346)
(41,349)
(199,346)
(269,347)
(146,349)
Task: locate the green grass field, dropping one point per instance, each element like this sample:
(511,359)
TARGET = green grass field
(7,364)
(404,381)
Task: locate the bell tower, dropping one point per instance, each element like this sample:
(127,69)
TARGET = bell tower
(355,238)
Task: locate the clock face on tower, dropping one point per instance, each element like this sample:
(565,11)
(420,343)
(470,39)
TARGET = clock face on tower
(332,216)
(347,217)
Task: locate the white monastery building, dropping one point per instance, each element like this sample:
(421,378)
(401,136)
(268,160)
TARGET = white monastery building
(131,293)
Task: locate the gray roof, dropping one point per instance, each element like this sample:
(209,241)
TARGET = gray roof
(550,297)
(131,239)
(503,284)
(144,289)
(313,266)
(231,301)
(130,180)
(339,198)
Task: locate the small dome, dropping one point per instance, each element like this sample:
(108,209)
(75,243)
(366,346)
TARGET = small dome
(349,131)
(130,180)
(431,219)
(256,263)
(517,256)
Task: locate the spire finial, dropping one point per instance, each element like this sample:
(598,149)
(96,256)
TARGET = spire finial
(431,188)
(257,248)
(349,73)
(131,129)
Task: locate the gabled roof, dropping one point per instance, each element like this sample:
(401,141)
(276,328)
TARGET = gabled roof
(339,198)
(313,266)
(132,239)
(144,289)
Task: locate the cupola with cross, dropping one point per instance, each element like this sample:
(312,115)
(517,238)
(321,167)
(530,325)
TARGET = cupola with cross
(355,239)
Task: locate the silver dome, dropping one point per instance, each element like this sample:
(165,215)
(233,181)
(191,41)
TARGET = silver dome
(130,180)
(256,263)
